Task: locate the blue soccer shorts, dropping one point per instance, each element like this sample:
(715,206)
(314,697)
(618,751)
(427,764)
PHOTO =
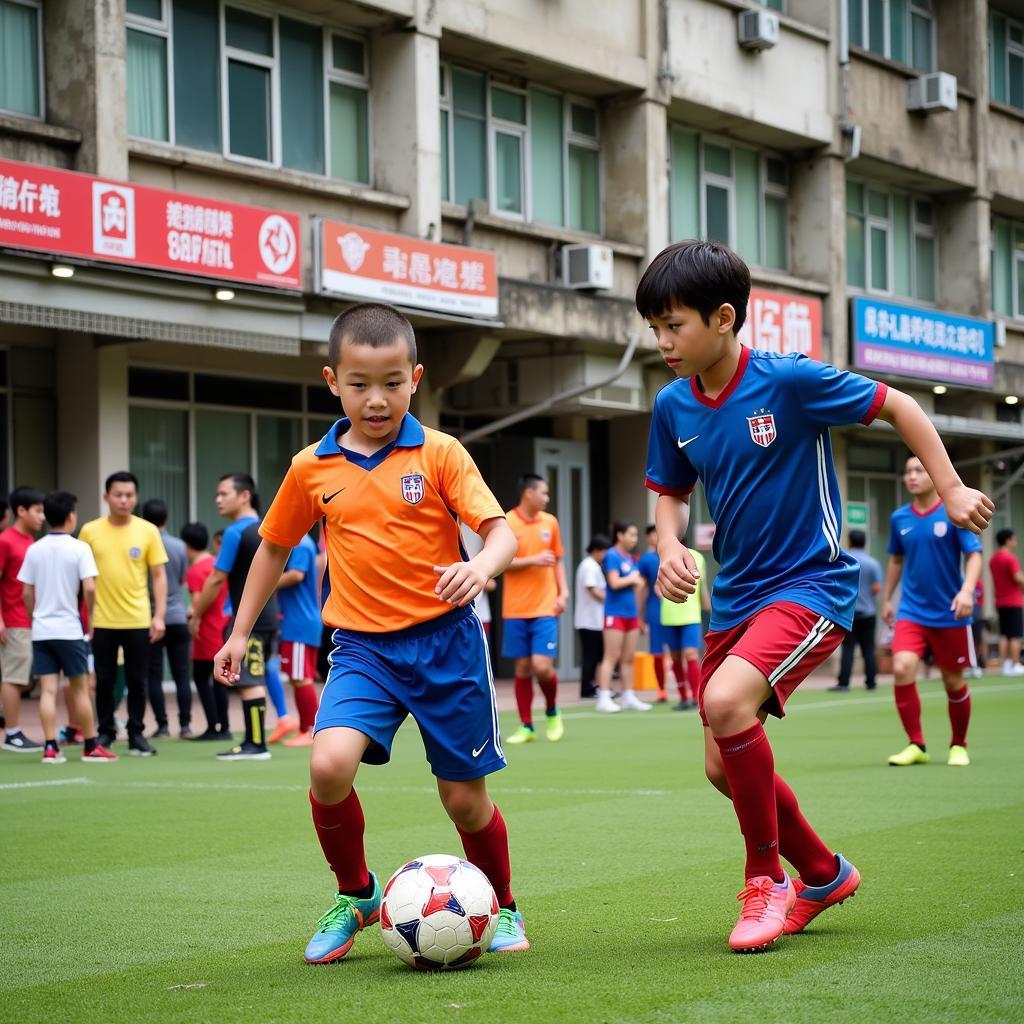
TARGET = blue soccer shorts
(675,638)
(523,637)
(439,672)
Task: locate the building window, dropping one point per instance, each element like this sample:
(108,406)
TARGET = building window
(902,30)
(1008,268)
(732,194)
(255,86)
(1006,59)
(533,154)
(775,5)
(890,242)
(21,58)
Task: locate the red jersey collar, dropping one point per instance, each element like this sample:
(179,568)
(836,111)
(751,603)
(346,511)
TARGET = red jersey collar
(717,403)
(924,515)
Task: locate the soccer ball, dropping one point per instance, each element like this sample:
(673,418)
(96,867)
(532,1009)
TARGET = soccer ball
(438,913)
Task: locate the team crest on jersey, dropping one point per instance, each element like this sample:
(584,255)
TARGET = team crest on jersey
(762,428)
(939,529)
(412,488)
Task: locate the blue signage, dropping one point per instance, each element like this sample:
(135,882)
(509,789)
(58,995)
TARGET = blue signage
(918,342)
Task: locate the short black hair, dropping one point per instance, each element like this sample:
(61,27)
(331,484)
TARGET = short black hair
(120,477)
(527,482)
(599,542)
(373,324)
(1004,535)
(243,482)
(699,275)
(651,528)
(620,527)
(24,497)
(155,511)
(196,536)
(858,538)
(57,506)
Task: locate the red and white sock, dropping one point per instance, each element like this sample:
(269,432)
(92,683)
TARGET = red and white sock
(959,715)
(523,689)
(340,827)
(306,703)
(488,850)
(908,704)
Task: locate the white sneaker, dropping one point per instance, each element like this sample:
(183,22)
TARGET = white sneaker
(1017,670)
(631,701)
(1007,667)
(605,703)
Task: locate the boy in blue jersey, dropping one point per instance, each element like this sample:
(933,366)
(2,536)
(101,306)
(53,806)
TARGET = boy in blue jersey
(753,428)
(299,600)
(647,566)
(936,605)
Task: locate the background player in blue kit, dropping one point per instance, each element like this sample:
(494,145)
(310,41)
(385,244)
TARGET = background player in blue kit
(647,565)
(936,604)
(754,429)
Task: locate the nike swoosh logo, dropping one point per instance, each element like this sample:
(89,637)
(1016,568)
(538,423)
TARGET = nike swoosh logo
(683,444)
(480,750)
(903,533)
(327,500)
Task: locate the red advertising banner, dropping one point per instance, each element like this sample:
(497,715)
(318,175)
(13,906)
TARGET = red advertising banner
(783,323)
(357,262)
(71,214)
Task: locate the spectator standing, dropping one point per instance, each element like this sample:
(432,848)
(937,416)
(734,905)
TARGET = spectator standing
(209,636)
(176,641)
(15,621)
(1008,587)
(588,615)
(656,640)
(129,555)
(865,617)
(54,570)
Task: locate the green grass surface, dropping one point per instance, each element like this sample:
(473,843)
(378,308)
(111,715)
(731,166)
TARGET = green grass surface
(179,889)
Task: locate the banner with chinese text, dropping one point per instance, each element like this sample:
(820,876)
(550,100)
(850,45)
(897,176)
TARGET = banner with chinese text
(358,262)
(782,323)
(70,214)
(913,342)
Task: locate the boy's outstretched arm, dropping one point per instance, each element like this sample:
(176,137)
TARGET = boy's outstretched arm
(265,571)
(677,573)
(965,506)
(893,572)
(460,582)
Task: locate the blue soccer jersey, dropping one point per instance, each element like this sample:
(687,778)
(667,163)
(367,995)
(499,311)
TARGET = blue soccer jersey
(622,602)
(932,549)
(761,450)
(300,606)
(648,566)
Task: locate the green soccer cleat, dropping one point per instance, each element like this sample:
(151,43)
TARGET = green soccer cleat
(338,928)
(911,754)
(555,728)
(958,757)
(524,734)
(510,935)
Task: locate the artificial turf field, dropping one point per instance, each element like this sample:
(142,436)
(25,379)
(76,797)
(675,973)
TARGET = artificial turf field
(179,889)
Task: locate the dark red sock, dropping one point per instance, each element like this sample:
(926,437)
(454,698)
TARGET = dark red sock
(659,670)
(306,702)
(908,704)
(550,690)
(679,670)
(523,688)
(693,673)
(339,827)
(798,842)
(750,771)
(959,715)
(488,850)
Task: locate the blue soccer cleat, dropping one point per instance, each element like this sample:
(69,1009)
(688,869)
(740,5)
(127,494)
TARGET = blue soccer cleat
(510,935)
(339,926)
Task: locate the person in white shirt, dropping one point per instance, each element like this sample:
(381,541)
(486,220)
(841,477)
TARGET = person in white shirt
(588,617)
(54,570)
(482,602)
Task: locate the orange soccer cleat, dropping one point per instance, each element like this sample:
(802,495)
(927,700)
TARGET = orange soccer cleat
(763,917)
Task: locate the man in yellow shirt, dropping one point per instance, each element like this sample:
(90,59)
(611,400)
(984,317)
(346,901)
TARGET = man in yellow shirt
(128,551)
(681,633)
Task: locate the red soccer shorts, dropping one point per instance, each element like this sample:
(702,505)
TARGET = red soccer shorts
(952,647)
(621,623)
(785,641)
(298,661)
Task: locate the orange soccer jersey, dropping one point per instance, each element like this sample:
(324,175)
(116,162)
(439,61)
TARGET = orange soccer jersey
(531,593)
(389,519)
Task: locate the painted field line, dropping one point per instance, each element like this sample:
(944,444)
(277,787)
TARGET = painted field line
(47,782)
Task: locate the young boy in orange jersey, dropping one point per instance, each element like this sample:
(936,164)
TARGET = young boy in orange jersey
(535,594)
(390,494)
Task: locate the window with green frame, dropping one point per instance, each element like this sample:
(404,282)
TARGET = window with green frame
(1008,268)
(902,30)
(280,91)
(775,5)
(532,153)
(21,73)
(1006,59)
(732,194)
(890,242)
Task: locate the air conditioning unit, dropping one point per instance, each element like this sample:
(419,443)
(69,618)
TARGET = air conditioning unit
(936,91)
(757,30)
(587,266)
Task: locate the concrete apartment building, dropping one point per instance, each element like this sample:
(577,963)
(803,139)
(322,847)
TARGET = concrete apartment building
(879,237)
